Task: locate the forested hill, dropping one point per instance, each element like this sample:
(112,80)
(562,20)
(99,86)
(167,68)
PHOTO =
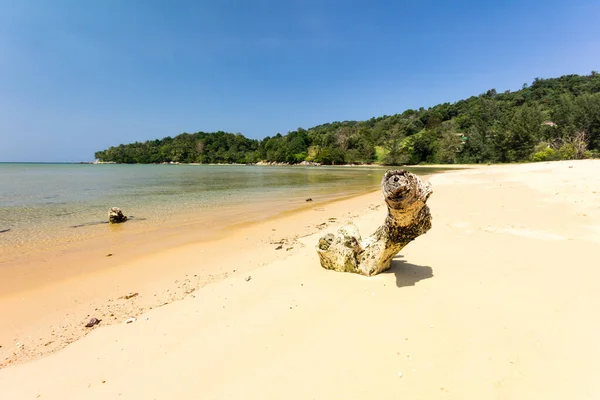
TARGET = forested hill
(550,119)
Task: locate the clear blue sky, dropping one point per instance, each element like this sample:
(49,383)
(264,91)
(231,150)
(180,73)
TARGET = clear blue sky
(78,76)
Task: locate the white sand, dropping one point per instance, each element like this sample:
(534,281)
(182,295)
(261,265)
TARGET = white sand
(499,300)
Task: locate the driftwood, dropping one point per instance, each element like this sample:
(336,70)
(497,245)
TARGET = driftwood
(408,217)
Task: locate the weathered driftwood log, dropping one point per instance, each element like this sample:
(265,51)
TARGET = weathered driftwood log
(408,217)
(115,216)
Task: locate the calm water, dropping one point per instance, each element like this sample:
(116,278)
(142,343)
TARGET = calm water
(39,202)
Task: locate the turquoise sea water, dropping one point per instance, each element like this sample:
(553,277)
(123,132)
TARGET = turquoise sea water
(39,202)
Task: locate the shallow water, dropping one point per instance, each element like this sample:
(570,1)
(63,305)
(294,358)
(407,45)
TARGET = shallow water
(41,203)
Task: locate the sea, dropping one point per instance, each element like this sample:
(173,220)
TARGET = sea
(44,204)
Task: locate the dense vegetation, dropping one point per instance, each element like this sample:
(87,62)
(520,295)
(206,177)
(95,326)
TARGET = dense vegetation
(551,119)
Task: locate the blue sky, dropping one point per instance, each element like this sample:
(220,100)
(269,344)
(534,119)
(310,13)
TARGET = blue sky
(79,76)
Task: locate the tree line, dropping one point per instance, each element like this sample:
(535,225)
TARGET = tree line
(550,119)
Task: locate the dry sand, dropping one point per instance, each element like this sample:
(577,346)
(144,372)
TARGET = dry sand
(498,301)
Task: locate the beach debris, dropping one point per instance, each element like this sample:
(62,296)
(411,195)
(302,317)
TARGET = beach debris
(129,295)
(20,346)
(109,255)
(279,247)
(309,199)
(129,320)
(93,322)
(4,230)
(248,278)
(115,216)
(289,248)
(408,217)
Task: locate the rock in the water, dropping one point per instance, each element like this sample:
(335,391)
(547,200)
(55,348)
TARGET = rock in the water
(115,216)
(93,322)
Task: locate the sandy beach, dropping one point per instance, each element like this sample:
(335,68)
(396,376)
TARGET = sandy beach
(498,300)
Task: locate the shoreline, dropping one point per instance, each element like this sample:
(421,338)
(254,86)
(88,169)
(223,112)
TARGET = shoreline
(42,278)
(305,164)
(57,232)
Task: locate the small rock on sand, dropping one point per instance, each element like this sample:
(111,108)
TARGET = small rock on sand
(309,199)
(248,278)
(93,322)
(130,320)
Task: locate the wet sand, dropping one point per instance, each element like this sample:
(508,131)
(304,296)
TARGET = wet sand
(498,300)
(46,297)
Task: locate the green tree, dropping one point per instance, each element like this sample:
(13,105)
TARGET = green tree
(393,145)
(524,133)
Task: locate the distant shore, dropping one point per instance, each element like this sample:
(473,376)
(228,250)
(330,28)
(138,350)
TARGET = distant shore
(307,164)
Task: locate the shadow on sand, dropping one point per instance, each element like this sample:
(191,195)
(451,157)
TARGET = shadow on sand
(408,274)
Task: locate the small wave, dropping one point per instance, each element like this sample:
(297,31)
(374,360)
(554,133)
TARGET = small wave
(129,218)
(63,214)
(89,224)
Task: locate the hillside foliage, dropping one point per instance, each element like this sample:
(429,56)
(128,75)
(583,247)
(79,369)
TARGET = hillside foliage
(550,119)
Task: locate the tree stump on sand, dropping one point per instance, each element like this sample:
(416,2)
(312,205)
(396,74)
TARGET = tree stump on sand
(115,216)
(408,217)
